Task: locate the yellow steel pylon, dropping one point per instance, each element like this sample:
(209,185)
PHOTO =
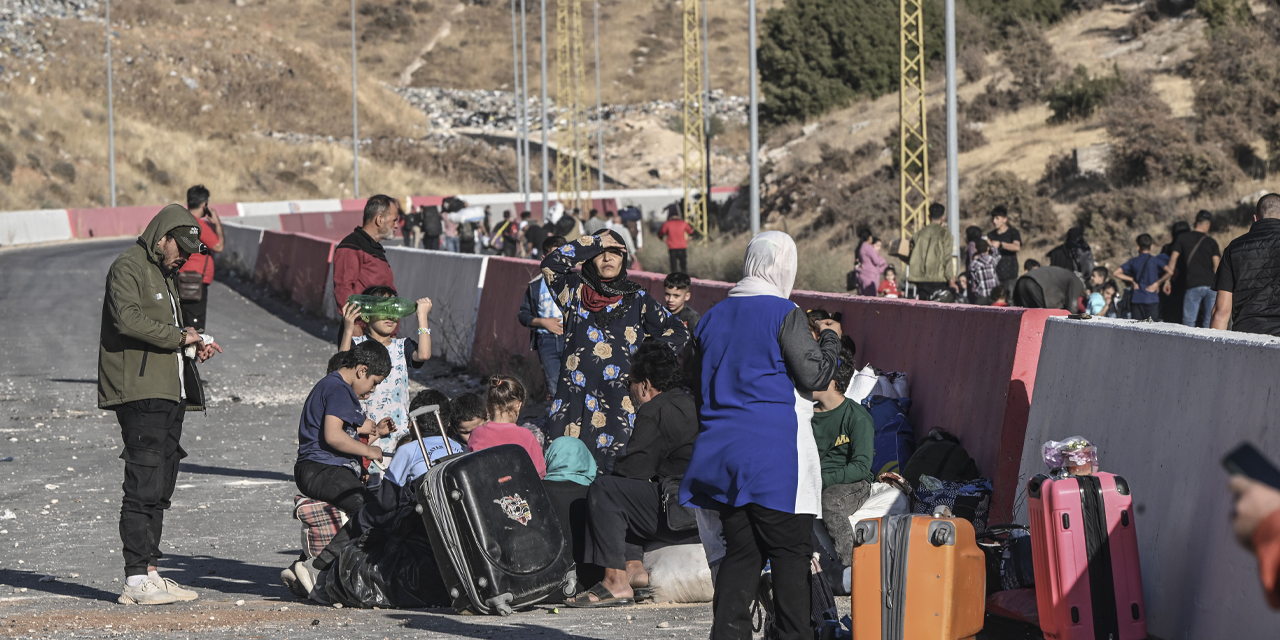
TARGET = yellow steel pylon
(695,156)
(913,144)
(571,172)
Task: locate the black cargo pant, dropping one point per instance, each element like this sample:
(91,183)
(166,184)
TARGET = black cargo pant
(194,312)
(752,535)
(679,260)
(151,430)
(337,486)
(622,514)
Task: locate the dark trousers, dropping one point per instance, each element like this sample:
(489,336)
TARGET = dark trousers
(679,260)
(550,348)
(1145,311)
(622,513)
(338,486)
(752,535)
(839,501)
(151,430)
(924,290)
(193,313)
(431,242)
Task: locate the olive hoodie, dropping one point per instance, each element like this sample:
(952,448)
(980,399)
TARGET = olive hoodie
(140,340)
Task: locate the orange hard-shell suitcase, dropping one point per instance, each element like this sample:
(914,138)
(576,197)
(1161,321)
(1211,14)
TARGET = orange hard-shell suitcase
(917,578)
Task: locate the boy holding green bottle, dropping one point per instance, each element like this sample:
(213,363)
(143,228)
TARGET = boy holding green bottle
(391,398)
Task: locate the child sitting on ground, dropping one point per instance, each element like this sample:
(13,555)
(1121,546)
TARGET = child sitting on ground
(889,285)
(505,399)
(1103,301)
(468,412)
(845,434)
(391,399)
(407,463)
(328,466)
(676,289)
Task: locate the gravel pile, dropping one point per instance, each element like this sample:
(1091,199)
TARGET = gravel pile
(23,24)
(496,110)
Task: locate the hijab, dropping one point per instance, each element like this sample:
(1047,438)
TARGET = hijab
(569,460)
(599,293)
(769,268)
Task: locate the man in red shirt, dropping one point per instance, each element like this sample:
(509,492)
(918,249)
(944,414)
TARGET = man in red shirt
(359,261)
(195,300)
(676,232)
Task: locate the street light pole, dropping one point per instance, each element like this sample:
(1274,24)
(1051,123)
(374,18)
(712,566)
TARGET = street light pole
(599,109)
(953,163)
(355,107)
(524,101)
(111,115)
(755,123)
(515,70)
(545,178)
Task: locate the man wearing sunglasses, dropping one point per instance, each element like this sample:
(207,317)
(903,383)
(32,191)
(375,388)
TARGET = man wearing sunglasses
(145,377)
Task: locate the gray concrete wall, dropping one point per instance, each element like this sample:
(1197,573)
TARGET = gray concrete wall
(1164,403)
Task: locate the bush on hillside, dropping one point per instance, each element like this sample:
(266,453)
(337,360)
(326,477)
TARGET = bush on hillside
(1222,14)
(1007,13)
(1029,211)
(816,55)
(1063,182)
(1029,64)
(1113,219)
(1237,96)
(1145,137)
(1080,95)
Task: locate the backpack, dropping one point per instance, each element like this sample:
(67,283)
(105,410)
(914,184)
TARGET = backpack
(941,456)
(895,440)
(453,204)
(432,225)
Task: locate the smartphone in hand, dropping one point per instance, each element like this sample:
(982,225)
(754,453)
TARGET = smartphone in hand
(1245,460)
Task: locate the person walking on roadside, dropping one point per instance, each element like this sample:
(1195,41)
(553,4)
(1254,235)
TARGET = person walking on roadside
(1008,242)
(870,264)
(1143,273)
(359,261)
(432,227)
(540,313)
(145,377)
(676,231)
(1193,262)
(593,223)
(756,462)
(1248,278)
(931,263)
(196,275)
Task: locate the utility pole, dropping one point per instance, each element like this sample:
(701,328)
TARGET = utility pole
(706,100)
(546,179)
(599,108)
(111,115)
(754,117)
(953,136)
(515,95)
(524,102)
(913,143)
(355,108)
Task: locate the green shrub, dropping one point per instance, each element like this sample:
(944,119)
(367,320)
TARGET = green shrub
(1080,95)
(1112,220)
(1030,212)
(1224,13)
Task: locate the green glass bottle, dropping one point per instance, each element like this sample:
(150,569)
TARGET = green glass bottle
(378,306)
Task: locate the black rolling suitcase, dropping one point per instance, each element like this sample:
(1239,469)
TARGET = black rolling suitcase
(493,529)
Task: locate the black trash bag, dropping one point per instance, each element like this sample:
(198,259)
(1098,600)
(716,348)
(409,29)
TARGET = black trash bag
(392,565)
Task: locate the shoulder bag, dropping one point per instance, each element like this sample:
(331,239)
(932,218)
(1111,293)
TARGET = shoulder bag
(679,517)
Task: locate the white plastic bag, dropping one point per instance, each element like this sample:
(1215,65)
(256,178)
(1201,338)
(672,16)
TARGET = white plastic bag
(885,500)
(679,573)
(863,383)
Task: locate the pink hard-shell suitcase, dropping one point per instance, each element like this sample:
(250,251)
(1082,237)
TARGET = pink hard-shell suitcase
(1085,554)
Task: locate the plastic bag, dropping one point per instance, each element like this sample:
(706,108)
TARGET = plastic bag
(395,568)
(1074,456)
(870,381)
(863,383)
(885,500)
(679,573)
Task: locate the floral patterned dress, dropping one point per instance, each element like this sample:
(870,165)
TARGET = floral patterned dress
(591,401)
(391,397)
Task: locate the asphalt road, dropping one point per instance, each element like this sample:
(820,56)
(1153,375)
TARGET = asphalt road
(229,532)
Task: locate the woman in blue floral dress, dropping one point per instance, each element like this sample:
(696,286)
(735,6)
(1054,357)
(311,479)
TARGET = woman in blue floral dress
(606,317)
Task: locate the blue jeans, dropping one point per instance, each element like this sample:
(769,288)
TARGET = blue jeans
(550,347)
(451,243)
(1198,304)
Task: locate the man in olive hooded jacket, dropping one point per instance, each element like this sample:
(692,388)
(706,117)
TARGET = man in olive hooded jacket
(144,377)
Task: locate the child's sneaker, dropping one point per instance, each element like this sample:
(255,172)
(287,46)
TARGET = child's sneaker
(306,574)
(290,580)
(174,589)
(146,593)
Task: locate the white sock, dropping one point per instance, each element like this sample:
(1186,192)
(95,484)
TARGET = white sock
(136,581)
(155,577)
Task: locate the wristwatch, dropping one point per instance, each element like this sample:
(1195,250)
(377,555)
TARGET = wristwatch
(424,330)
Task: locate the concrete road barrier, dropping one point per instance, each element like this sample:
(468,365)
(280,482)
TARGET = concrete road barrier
(453,281)
(239,249)
(33,227)
(1164,403)
(296,264)
(332,225)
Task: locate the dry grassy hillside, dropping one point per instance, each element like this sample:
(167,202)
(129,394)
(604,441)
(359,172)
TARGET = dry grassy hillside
(252,97)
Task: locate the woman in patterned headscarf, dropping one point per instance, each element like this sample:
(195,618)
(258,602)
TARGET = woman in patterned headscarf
(606,317)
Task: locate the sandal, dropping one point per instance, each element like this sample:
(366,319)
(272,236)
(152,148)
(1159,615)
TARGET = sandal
(606,599)
(642,593)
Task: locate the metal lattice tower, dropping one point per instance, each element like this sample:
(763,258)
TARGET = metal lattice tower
(913,146)
(695,154)
(571,137)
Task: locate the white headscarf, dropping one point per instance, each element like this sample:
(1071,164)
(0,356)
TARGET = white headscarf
(769,268)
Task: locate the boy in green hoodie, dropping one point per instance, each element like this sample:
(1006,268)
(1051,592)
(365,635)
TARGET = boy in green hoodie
(845,434)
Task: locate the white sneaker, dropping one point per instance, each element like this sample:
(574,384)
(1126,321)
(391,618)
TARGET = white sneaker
(290,580)
(176,590)
(146,593)
(306,575)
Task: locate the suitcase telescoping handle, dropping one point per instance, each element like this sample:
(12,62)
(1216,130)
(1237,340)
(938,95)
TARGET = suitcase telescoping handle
(413,424)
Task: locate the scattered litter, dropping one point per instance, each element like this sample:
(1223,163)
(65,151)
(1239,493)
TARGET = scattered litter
(70,469)
(337,605)
(239,603)
(314,623)
(554,610)
(8,515)
(75,575)
(664,625)
(53,501)
(13,439)
(47,579)
(51,487)
(7,458)
(284,608)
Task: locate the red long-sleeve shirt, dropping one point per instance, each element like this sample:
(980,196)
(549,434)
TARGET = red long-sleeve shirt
(355,270)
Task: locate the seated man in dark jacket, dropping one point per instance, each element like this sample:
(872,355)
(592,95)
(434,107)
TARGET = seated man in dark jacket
(626,508)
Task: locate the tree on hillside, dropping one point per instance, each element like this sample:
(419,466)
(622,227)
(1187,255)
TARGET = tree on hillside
(816,55)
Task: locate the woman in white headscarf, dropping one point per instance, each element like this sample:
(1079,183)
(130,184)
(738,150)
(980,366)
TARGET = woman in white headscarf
(755,460)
